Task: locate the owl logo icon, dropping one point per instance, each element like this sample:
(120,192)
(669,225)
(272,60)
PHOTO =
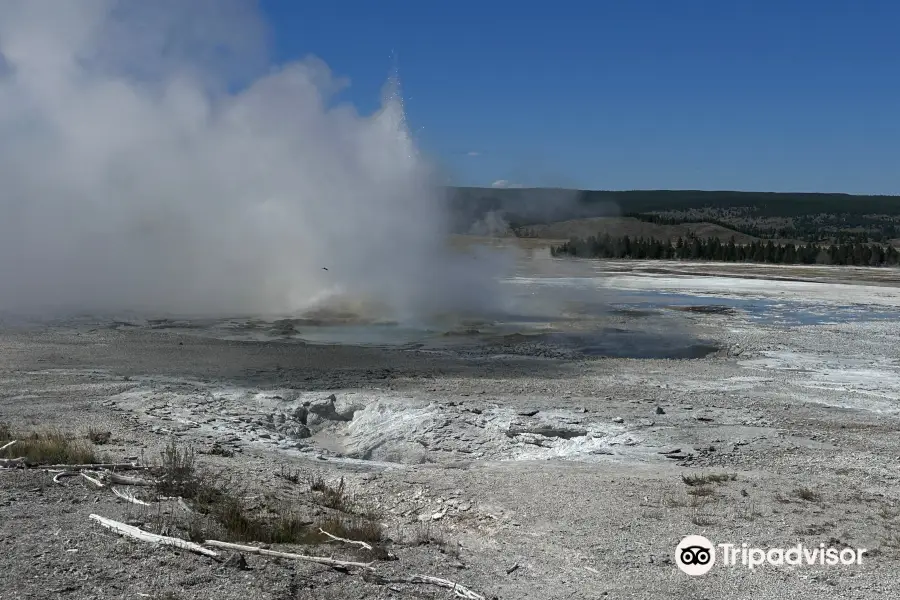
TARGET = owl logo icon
(695,555)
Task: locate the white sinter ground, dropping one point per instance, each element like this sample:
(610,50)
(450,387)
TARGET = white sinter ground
(577,469)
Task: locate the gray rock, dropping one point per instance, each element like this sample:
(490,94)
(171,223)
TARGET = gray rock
(295,431)
(236,561)
(326,410)
(314,421)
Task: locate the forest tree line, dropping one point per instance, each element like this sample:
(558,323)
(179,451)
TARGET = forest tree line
(713,249)
(826,228)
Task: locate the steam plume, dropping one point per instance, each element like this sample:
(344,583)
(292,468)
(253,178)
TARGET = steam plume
(151,160)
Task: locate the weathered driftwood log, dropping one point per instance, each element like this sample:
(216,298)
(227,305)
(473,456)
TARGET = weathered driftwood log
(21,462)
(97,466)
(110,477)
(146,536)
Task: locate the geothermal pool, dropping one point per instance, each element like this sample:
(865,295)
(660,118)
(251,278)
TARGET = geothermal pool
(578,309)
(557,308)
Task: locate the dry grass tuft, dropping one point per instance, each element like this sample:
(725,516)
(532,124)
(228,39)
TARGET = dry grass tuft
(703,490)
(292,475)
(428,535)
(46,447)
(223,511)
(702,518)
(807,494)
(890,539)
(750,512)
(674,501)
(889,513)
(178,474)
(333,496)
(98,436)
(708,478)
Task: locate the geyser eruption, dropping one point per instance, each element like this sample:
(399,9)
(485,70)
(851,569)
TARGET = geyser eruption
(151,161)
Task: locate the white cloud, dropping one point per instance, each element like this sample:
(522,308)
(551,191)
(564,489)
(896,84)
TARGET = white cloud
(503,183)
(474,153)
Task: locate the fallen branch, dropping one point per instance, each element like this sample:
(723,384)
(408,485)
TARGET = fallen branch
(61,474)
(316,559)
(95,466)
(146,536)
(21,462)
(8,445)
(460,591)
(96,482)
(129,497)
(345,540)
(110,477)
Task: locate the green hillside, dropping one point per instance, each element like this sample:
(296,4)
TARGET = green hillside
(803,216)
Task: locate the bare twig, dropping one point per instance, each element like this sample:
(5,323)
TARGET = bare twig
(460,591)
(96,482)
(8,445)
(129,497)
(345,540)
(146,536)
(316,559)
(12,462)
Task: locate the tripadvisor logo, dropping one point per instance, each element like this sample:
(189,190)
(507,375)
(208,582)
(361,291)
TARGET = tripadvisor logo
(696,555)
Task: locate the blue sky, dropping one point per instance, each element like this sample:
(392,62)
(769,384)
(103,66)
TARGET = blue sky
(647,94)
